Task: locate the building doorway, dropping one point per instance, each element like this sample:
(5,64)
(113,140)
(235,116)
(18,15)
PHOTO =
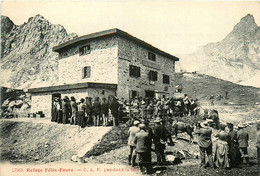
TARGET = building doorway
(149,94)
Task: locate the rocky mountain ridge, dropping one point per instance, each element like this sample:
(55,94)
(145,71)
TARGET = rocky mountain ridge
(236,58)
(27,59)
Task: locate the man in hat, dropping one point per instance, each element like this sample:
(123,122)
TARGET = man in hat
(114,107)
(243,137)
(143,143)
(66,110)
(159,135)
(59,110)
(132,132)
(150,131)
(97,111)
(205,144)
(258,143)
(104,111)
(74,110)
(234,153)
(54,110)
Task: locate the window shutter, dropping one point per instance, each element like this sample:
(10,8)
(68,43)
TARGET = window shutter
(130,70)
(138,72)
(137,94)
(130,94)
(88,71)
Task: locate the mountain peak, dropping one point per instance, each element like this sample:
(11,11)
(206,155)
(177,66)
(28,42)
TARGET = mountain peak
(248,18)
(6,24)
(37,18)
(246,24)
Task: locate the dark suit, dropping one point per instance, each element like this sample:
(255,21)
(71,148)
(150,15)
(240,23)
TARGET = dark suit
(104,112)
(258,147)
(97,111)
(159,134)
(66,110)
(242,138)
(89,111)
(143,148)
(114,111)
(104,108)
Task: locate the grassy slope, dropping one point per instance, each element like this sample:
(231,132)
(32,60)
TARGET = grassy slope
(202,86)
(27,141)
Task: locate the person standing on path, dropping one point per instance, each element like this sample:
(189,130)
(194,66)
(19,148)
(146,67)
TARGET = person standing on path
(221,158)
(81,114)
(243,138)
(97,111)
(74,111)
(66,110)
(132,132)
(143,143)
(258,143)
(114,107)
(89,110)
(159,135)
(205,144)
(234,153)
(104,111)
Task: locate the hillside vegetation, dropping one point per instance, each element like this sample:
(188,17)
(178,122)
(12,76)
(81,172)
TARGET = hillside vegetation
(202,86)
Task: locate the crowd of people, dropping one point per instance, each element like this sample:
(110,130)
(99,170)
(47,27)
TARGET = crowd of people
(230,146)
(86,112)
(94,112)
(141,138)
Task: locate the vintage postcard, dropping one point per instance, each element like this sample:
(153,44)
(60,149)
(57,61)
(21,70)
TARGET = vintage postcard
(130,88)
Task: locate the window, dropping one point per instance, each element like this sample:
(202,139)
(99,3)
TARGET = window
(63,54)
(153,75)
(134,71)
(151,56)
(84,50)
(86,72)
(133,94)
(166,79)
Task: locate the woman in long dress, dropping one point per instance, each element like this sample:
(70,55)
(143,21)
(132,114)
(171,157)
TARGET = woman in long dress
(234,153)
(221,159)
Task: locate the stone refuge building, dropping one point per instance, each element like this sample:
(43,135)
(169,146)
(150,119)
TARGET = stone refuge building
(110,62)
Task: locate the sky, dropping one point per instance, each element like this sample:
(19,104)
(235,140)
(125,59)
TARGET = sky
(177,27)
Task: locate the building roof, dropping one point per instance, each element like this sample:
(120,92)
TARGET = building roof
(72,87)
(110,32)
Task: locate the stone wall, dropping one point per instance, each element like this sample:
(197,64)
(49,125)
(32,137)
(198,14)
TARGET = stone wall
(130,53)
(102,59)
(43,101)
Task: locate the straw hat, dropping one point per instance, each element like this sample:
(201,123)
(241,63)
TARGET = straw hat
(204,124)
(136,122)
(240,126)
(141,126)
